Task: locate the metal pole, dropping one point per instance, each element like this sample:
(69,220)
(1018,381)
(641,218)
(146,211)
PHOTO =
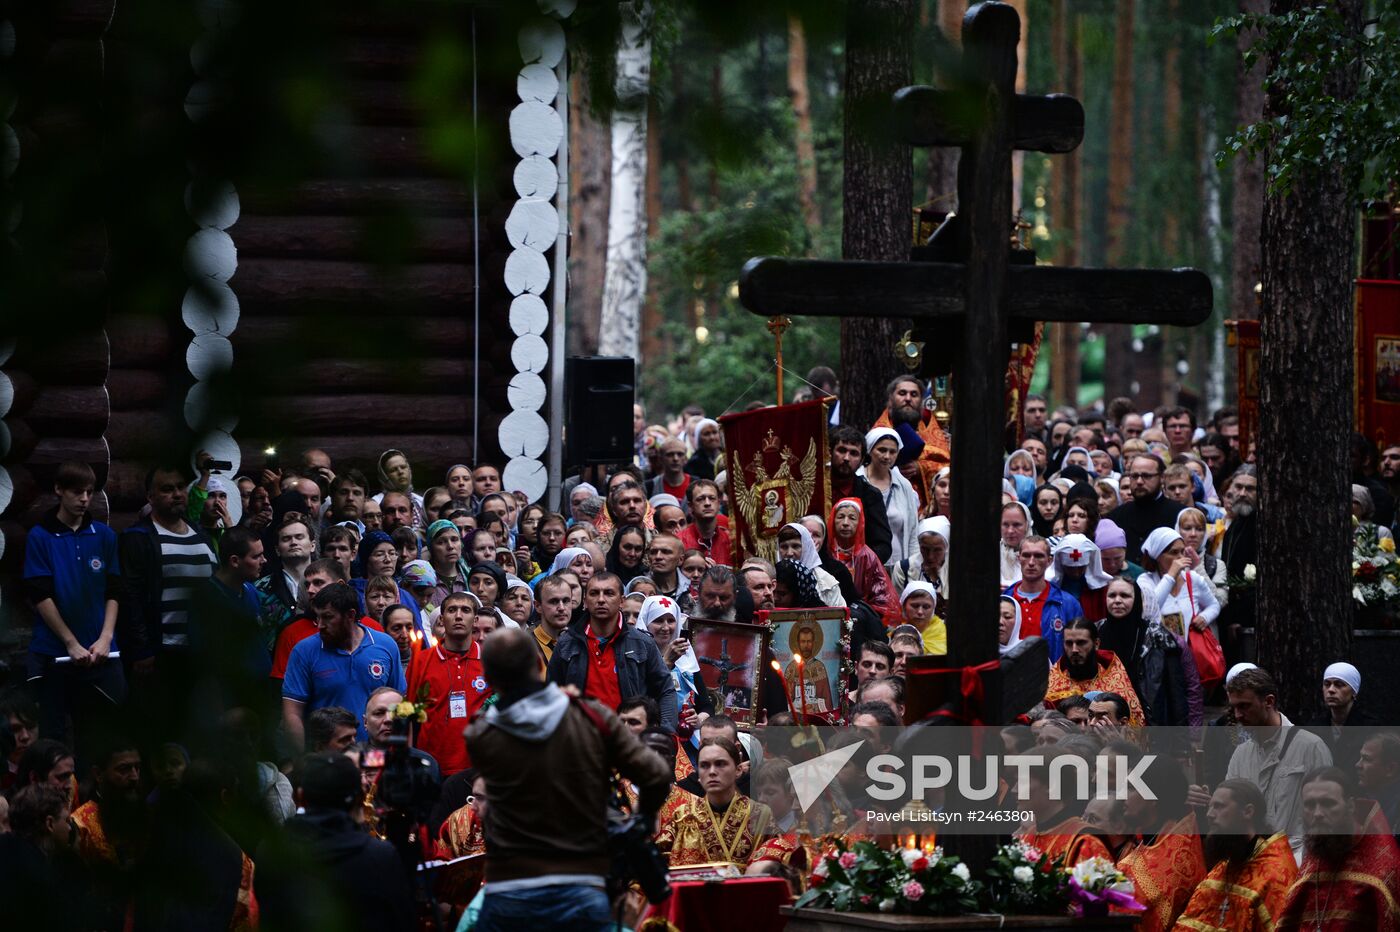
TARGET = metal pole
(558,331)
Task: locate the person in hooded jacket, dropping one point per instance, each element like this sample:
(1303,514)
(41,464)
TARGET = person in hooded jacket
(548,762)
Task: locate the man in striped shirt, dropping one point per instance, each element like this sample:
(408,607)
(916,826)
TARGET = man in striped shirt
(164,560)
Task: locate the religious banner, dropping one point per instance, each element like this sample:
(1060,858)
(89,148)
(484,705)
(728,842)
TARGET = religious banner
(1243,335)
(1020,369)
(776,460)
(1377,335)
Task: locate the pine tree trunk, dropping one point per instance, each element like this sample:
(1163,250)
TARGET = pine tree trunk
(1120,366)
(942,178)
(1064,338)
(1305,416)
(625,285)
(1248,203)
(802,115)
(877,192)
(590,182)
(652,343)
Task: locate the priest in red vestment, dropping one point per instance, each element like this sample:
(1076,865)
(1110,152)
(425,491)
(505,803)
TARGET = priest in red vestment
(1167,864)
(1054,827)
(1350,880)
(1083,668)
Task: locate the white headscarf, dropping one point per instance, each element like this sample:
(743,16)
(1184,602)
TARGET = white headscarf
(656,606)
(1010,566)
(918,585)
(699,426)
(1015,629)
(1078,550)
(809,556)
(1238,669)
(1087,455)
(1158,541)
(1346,673)
(563,558)
(1015,454)
(1113,483)
(876,434)
(940,525)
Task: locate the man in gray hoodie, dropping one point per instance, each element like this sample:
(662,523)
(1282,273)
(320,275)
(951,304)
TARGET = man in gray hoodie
(548,760)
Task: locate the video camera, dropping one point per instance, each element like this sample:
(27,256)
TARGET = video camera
(405,791)
(635,857)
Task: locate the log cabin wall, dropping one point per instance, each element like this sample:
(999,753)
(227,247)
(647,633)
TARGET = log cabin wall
(53,349)
(354,271)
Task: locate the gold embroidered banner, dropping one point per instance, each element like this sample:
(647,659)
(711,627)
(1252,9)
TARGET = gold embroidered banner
(776,460)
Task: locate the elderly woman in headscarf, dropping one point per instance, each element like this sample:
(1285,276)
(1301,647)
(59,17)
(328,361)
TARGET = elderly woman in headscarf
(661,617)
(708,442)
(396,475)
(795,543)
(575,560)
(917,604)
(1008,624)
(1363,507)
(1020,471)
(1076,566)
(901,501)
(847,542)
(931,566)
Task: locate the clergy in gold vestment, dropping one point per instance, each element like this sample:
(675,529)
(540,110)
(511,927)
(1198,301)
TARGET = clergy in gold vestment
(723,825)
(1250,870)
(1350,880)
(1167,863)
(1053,828)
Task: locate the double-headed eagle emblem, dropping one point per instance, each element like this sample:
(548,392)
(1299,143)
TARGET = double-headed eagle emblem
(768,502)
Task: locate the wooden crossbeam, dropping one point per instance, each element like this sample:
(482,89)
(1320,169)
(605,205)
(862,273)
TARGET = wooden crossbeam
(935,290)
(928,116)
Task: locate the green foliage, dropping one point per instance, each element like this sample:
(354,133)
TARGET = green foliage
(1317,130)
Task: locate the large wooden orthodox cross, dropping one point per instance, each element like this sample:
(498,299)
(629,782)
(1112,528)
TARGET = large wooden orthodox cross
(973,292)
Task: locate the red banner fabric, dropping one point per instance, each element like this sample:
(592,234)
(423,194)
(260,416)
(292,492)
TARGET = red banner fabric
(1378,360)
(776,459)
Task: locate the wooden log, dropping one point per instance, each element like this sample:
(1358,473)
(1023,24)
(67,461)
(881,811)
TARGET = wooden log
(20,439)
(341,335)
(438,239)
(139,434)
(419,196)
(136,389)
(300,285)
(81,17)
(140,342)
(69,411)
(82,358)
(430,454)
(50,451)
(24,488)
(343,376)
(72,70)
(126,485)
(358,414)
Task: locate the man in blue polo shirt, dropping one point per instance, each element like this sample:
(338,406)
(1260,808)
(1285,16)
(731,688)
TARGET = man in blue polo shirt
(72,579)
(341,665)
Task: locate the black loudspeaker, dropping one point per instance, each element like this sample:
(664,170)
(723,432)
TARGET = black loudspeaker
(600,391)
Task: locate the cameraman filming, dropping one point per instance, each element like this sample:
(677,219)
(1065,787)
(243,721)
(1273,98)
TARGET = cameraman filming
(548,761)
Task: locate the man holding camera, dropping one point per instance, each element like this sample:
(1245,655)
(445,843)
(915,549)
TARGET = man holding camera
(548,761)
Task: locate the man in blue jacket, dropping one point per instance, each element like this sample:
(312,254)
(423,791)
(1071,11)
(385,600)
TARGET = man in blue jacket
(72,578)
(1045,607)
(609,661)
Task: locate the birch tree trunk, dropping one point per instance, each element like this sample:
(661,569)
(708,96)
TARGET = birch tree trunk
(625,280)
(1119,365)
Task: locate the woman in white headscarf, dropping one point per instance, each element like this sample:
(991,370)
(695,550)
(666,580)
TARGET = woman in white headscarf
(1015,525)
(1185,601)
(1076,566)
(1008,623)
(708,442)
(901,501)
(930,562)
(795,543)
(661,617)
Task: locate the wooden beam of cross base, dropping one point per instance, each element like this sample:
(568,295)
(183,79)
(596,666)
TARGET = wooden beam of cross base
(928,116)
(936,290)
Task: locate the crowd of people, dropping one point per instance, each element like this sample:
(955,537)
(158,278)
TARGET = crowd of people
(257,704)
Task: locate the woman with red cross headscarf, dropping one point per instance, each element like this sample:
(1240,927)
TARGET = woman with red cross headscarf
(1077,568)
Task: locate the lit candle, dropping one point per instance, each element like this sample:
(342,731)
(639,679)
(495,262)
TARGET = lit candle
(801,685)
(787,692)
(912,843)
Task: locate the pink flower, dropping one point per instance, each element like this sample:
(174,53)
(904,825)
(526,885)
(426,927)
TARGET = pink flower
(848,860)
(912,890)
(865,898)
(1032,854)
(920,865)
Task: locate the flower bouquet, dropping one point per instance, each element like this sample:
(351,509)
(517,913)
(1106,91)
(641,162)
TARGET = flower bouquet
(415,711)
(1375,572)
(1023,880)
(864,877)
(1096,884)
